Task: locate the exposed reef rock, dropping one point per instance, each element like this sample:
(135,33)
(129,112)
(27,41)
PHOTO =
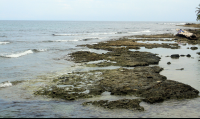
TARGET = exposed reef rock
(120,58)
(118,104)
(141,81)
(130,43)
(169,89)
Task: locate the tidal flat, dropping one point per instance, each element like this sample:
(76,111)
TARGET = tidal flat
(143,80)
(133,77)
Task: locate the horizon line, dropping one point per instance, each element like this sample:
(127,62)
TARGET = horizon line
(98,21)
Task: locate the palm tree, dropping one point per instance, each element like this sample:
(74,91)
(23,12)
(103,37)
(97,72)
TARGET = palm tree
(198,13)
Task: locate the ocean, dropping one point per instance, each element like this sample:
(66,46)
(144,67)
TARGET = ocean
(32,49)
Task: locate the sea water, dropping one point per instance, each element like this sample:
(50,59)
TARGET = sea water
(30,49)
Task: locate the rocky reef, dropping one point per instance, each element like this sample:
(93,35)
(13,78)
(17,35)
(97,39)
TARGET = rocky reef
(142,80)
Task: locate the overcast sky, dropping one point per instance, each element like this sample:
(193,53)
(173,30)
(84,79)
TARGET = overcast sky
(99,10)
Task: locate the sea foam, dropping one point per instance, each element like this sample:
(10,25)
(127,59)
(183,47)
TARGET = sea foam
(5,84)
(2,43)
(19,54)
(65,34)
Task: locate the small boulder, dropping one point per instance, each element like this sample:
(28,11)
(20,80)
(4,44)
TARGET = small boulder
(182,55)
(168,63)
(175,56)
(194,48)
(188,55)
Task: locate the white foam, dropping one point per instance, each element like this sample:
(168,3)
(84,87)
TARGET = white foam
(168,23)
(19,54)
(65,34)
(39,50)
(107,33)
(2,43)
(146,31)
(181,24)
(66,40)
(6,84)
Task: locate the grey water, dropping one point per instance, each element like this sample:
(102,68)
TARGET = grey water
(33,49)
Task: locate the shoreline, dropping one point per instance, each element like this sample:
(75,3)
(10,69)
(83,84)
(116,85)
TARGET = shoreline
(144,82)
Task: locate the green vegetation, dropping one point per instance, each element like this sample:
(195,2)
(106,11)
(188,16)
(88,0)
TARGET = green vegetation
(198,13)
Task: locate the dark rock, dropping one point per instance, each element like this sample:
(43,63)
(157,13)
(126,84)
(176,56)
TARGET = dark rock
(198,53)
(121,57)
(56,92)
(188,55)
(169,89)
(194,48)
(180,69)
(145,82)
(182,55)
(190,24)
(131,104)
(154,99)
(168,62)
(175,56)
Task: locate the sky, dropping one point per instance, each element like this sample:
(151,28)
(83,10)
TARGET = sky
(99,10)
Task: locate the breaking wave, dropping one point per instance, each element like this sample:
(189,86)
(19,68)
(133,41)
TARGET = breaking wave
(3,43)
(81,34)
(65,34)
(5,84)
(62,40)
(75,40)
(19,54)
(146,31)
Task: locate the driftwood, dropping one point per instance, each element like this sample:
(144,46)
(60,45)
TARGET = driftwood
(186,34)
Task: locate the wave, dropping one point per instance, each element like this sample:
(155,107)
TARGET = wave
(146,31)
(3,43)
(5,84)
(75,40)
(62,40)
(39,50)
(86,39)
(65,34)
(106,33)
(19,54)
(15,55)
(181,24)
(121,32)
(169,23)
(94,34)
(66,40)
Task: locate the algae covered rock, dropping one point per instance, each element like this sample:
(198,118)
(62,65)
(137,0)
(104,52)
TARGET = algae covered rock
(62,93)
(131,81)
(143,82)
(131,104)
(120,57)
(169,89)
